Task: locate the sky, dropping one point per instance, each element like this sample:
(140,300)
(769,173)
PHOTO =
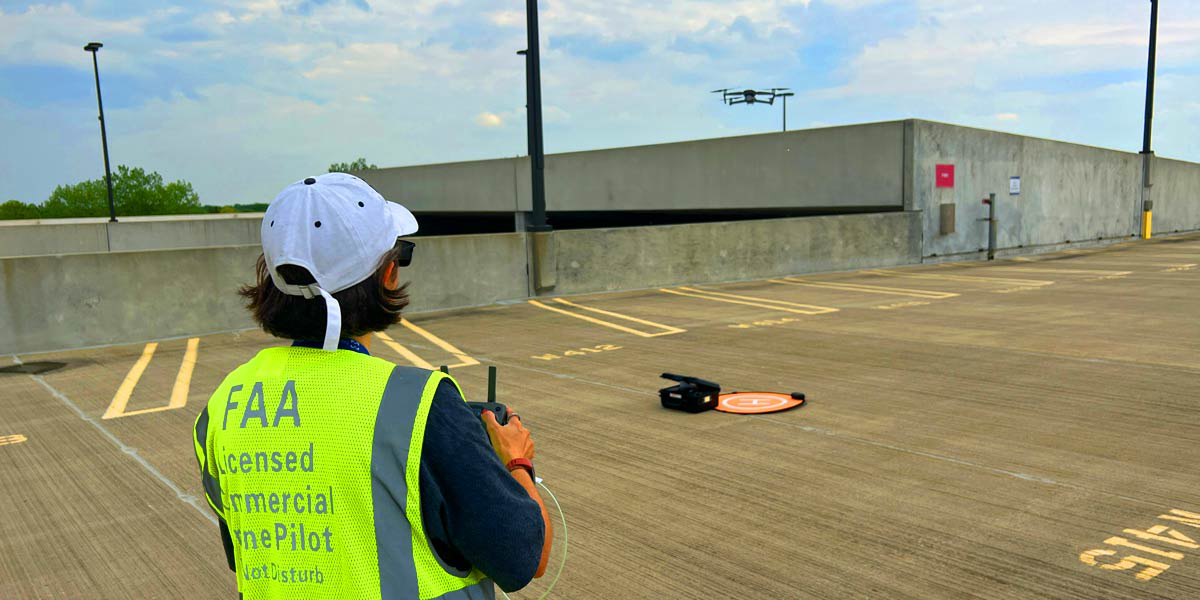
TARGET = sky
(241,98)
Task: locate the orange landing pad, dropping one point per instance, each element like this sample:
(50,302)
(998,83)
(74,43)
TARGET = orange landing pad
(753,403)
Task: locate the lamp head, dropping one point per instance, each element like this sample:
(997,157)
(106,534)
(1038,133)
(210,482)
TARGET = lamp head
(93,46)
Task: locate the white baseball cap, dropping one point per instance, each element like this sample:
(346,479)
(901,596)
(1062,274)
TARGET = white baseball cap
(337,227)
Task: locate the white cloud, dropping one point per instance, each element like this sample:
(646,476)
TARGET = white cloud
(487,119)
(507,17)
(46,34)
(277,95)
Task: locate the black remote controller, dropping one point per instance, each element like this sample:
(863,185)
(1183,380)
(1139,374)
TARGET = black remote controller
(496,408)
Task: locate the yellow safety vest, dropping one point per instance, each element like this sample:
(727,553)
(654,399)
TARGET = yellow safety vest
(312,459)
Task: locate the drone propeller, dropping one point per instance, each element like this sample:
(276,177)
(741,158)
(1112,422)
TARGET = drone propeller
(720,91)
(773,90)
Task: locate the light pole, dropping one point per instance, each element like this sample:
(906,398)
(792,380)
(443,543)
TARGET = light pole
(785,95)
(94,47)
(1147,153)
(533,105)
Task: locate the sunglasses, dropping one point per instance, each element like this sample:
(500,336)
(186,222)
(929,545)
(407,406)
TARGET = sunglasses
(406,252)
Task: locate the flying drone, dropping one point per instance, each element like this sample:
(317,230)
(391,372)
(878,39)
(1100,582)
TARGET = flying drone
(752,96)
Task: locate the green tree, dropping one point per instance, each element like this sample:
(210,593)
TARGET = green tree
(135,192)
(251,208)
(359,164)
(15,209)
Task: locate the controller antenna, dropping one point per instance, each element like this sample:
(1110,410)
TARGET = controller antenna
(491,384)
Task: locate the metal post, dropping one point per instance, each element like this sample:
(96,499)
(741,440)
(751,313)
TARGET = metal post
(533,98)
(1150,77)
(1147,153)
(93,47)
(991,202)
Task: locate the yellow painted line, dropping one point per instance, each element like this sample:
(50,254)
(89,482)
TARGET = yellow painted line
(183,381)
(963,278)
(1068,271)
(870,289)
(1132,263)
(804,309)
(666,329)
(600,322)
(408,355)
(179,392)
(116,408)
(6,440)
(464,360)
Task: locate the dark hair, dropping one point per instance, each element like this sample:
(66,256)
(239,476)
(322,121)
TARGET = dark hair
(366,306)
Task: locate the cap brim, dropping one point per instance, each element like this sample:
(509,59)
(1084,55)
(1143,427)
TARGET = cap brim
(406,223)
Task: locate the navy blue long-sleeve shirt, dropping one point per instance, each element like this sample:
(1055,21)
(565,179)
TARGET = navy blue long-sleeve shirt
(475,513)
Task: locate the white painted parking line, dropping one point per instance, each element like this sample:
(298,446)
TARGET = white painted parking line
(665,329)
(804,309)
(869,289)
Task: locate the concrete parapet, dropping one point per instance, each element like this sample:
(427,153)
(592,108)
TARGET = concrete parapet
(79,300)
(40,237)
(455,271)
(1069,193)
(129,235)
(1176,195)
(53,236)
(592,260)
(851,166)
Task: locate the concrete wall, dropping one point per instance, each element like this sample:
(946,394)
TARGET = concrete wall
(852,166)
(591,260)
(1176,195)
(499,185)
(467,270)
(79,300)
(76,300)
(1069,192)
(72,236)
(53,236)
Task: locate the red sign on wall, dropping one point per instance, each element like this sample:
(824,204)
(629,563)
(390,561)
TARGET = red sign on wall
(944,175)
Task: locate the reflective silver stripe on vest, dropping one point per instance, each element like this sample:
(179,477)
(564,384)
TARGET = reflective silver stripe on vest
(212,487)
(389,492)
(484,590)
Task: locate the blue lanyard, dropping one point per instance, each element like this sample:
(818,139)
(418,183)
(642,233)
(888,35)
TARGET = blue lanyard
(343,344)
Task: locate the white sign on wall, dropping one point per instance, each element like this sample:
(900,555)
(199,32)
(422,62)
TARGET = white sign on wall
(1014,186)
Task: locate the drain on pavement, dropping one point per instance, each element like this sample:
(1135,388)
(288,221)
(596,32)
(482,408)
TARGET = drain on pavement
(32,368)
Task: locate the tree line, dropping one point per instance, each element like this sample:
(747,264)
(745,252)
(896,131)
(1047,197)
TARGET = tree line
(135,193)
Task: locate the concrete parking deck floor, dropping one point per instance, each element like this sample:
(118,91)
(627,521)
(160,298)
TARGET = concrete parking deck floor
(1026,428)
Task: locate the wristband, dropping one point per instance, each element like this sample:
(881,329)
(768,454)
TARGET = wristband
(521,463)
